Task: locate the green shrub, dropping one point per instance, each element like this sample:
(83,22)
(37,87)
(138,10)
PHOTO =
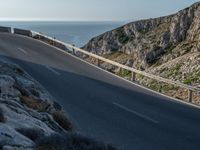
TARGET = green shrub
(194,77)
(143,31)
(155,85)
(175,71)
(122,37)
(187,81)
(124,73)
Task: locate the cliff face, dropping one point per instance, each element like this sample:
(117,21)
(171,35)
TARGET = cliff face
(153,41)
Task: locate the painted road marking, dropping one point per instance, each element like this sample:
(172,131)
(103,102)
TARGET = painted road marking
(22,50)
(52,70)
(135,113)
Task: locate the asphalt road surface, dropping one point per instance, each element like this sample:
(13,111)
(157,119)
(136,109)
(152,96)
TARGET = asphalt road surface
(103,106)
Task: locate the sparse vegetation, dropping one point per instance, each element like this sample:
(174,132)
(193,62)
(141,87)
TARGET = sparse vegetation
(160,46)
(194,77)
(187,49)
(62,120)
(170,49)
(122,37)
(157,63)
(139,77)
(39,105)
(40,123)
(198,55)
(124,73)
(168,87)
(143,31)
(57,106)
(70,142)
(175,71)
(188,81)
(155,85)
(75,141)
(52,142)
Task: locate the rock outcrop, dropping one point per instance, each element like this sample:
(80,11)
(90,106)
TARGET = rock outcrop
(30,119)
(166,46)
(148,41)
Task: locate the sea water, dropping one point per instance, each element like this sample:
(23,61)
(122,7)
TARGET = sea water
(78,33)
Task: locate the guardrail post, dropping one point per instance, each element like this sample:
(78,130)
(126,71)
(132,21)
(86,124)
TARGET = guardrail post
(132,76)
(73,50)
(54,43)
(190,96)
(161,87)
(98,62)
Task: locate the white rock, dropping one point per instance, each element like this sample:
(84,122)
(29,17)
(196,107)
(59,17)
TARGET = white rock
(8,136)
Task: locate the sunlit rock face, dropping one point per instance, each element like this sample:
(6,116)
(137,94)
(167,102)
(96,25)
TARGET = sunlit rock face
(17,117)
(167,46)
(148,41)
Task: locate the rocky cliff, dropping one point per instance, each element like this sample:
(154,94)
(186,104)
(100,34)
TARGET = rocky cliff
(166,46)
(30,119)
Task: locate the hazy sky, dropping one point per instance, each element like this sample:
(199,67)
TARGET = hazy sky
(89,10)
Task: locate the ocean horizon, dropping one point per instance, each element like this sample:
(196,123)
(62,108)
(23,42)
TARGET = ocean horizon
(73,32)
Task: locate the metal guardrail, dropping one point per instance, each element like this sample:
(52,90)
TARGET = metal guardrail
(5,29)
(22,32)
(190,89)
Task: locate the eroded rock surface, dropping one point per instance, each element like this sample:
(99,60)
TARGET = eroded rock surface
(166,46)
(17,87)
(149,41)
(30,118)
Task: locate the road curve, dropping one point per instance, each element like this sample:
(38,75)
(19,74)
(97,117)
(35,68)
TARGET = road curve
(103,106)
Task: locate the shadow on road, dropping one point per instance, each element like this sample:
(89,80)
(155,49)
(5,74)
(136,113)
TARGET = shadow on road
(89,102)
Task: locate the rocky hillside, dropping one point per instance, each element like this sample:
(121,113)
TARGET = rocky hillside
(166,46)
(30,119)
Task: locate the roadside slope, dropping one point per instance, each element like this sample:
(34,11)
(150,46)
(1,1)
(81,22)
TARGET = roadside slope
(30,119)
(166,46)
(104,106)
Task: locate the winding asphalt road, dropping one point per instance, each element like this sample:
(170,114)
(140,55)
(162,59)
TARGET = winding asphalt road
(104,106)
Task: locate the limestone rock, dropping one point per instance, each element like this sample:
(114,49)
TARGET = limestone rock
(148,41)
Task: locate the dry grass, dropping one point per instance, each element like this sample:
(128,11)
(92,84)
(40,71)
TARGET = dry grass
(34,104)
(52,142)
(62,120)
(70,142)
(78,142)
(58,116)
(118,57)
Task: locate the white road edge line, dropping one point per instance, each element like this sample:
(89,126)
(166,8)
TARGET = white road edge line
(135,113)
(22,50)
(52,70)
